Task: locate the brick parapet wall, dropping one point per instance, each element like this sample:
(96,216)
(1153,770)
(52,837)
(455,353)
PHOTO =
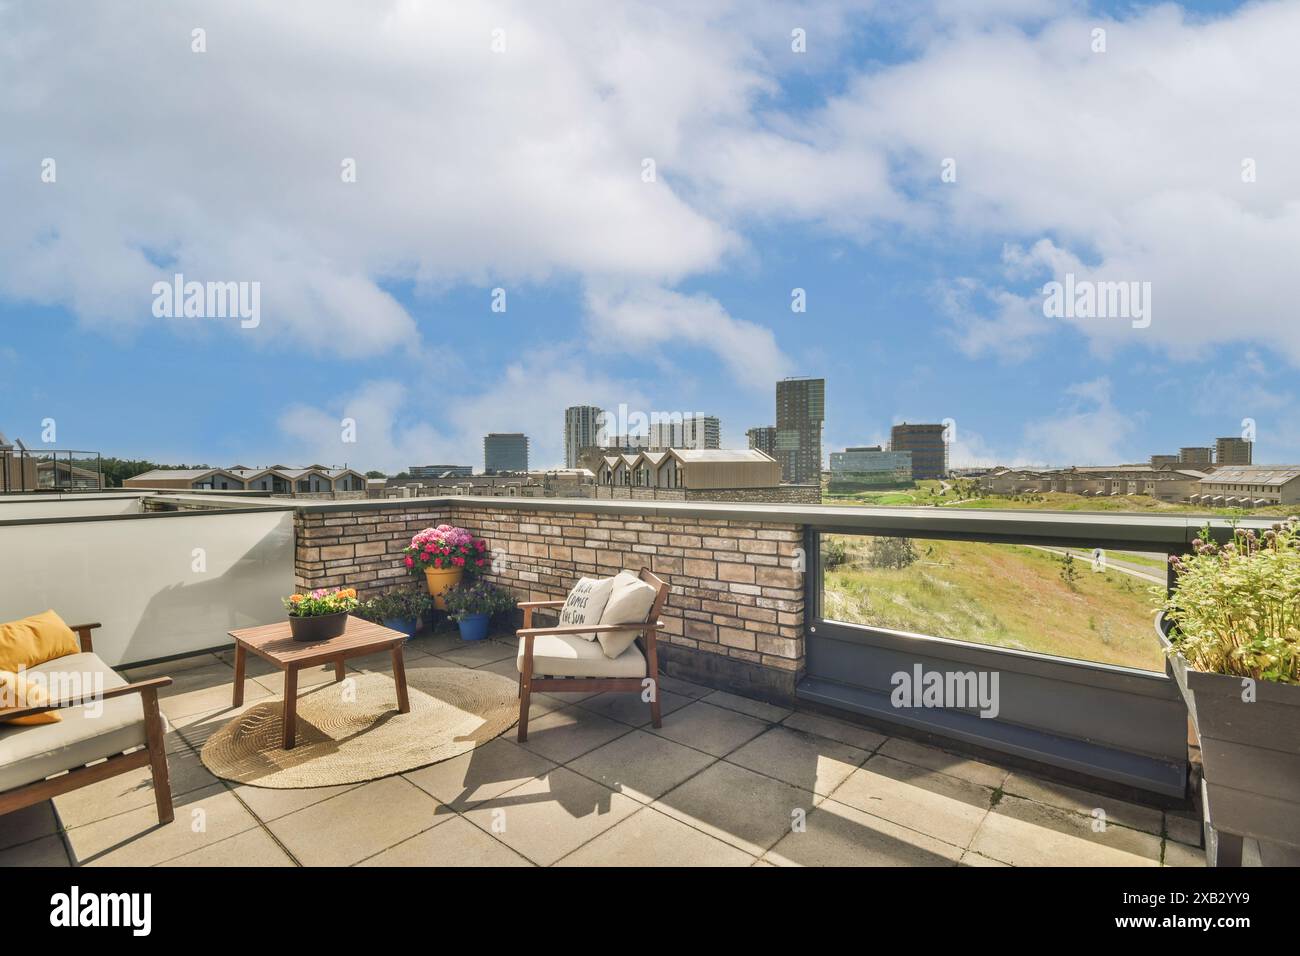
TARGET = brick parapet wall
(359,548)
(735,599)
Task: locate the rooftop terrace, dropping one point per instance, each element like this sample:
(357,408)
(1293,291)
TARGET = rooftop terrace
(594,785)
(779,743)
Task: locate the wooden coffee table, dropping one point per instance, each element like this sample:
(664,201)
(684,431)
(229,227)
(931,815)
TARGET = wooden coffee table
(275,643)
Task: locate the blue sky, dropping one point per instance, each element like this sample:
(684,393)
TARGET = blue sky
(521,168)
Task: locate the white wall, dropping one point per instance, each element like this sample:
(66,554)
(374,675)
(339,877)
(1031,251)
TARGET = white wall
(138,577)
(19,507)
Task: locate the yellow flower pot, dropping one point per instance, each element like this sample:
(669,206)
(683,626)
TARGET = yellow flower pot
(439,581)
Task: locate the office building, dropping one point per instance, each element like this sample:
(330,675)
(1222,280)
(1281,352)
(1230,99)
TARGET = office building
(1195,456)
(505,451)
(928,448)
(800,415)
(763,438)
(1232,451)
(440,471)
(581,426)
(627,442)
(685,431)
(1164,461)
(869,466)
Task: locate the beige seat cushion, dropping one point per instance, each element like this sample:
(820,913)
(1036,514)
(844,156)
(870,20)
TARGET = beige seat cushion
(569,655)
(28,754)
(629,603)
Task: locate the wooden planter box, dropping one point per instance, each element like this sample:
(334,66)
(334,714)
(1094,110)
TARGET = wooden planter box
(1250,751)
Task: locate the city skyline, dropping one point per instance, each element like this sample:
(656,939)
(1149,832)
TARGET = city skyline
(921,292)
(1240,449)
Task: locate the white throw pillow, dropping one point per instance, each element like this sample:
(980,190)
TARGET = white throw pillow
(585,603)
(629,603)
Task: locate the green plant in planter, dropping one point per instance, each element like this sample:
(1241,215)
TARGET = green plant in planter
(478,597)
(398,604)
(1235,607)
(1232,631)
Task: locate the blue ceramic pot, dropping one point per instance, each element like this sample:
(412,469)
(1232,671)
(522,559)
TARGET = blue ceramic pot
(407,625)
(474,627)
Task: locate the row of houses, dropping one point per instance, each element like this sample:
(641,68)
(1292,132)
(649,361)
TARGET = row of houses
(298,482)
(545,483)
(1162,483)
(700,474)
(1251,486)
(690,468)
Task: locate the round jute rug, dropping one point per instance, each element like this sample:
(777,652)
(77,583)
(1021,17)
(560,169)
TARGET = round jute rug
(351,732)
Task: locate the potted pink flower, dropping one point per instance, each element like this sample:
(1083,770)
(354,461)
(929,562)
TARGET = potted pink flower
(445,555)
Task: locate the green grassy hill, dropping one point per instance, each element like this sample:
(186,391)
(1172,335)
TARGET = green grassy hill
(1005,595)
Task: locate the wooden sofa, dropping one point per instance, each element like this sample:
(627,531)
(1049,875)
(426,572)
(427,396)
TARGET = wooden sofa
(38,762)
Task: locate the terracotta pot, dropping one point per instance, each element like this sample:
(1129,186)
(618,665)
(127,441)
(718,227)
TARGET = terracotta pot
(440,580)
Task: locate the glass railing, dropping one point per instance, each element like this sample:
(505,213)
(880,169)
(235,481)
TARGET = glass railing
(1085,604)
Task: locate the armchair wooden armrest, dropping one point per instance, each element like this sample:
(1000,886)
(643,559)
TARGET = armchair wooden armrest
(587,629)
(83,635)
(145,687)
(529,606)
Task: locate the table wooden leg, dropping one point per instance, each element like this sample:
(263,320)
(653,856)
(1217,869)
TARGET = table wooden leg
(399,678)
(240,656)
(290,718)
(339,670)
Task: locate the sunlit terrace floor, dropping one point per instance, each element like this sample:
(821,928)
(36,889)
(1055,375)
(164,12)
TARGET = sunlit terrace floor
(720,784)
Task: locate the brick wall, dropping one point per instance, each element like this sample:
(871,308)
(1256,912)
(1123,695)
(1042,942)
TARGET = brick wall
(734,617)
(359,548)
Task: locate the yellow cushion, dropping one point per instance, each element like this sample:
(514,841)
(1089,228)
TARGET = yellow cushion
(17,693)
(35,640)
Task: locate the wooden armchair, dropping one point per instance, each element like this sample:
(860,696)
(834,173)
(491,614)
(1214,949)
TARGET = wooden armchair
(33,757)
(559,659)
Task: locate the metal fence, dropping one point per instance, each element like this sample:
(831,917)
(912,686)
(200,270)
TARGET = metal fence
(24,471)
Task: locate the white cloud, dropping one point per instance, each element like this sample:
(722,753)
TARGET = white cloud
(992,321)
(394,428)
(1123,165)
(969,450)
(525,166)
(642,318)
(1088,429)
(471,165)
